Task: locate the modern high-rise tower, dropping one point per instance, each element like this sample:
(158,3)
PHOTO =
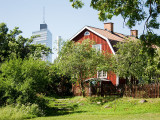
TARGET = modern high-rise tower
(45,38)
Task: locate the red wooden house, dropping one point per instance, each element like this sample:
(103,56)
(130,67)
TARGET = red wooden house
(105,40)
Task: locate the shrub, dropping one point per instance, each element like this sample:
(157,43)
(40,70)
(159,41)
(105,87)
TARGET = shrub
(60,84)
(21,80)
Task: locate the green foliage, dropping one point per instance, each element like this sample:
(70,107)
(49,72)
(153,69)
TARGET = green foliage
(149,42)
(80,60)
(12,44)
(132,61)
(21,80)
(77,4)
(20,112)
(132,11)
(60,84)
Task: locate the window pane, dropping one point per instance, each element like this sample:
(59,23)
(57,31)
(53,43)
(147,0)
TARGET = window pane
(102,74)
(97,47)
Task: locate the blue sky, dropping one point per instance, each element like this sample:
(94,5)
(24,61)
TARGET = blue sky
(62,19)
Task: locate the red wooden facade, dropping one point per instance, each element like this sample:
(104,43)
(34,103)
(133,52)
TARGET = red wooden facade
(105,47)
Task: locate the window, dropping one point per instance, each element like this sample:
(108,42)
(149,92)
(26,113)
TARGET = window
(98,47)
(87,33)
(101,74)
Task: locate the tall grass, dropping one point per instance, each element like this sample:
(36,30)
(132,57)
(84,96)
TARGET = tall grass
(20,112)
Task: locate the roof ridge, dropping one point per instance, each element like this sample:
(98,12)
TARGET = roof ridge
(96,28)
(114,33)
(108,31)
(122,34)
(119,35)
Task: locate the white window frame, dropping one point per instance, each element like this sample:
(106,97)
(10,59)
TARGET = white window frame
(98,47)
(103,74)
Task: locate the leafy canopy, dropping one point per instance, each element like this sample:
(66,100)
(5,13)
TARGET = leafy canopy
(132,61)
(132,11)
(80,60)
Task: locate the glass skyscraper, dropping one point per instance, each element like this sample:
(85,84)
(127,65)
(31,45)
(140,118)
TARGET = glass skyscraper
(45,38)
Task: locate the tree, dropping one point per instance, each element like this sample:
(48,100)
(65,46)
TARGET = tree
(133,12)
(13,44)
(22,80)
(132,61)
(80,60)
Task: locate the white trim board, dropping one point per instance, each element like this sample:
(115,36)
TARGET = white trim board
(117,80)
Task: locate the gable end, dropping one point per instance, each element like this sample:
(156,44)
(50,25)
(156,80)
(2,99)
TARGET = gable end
(86,27)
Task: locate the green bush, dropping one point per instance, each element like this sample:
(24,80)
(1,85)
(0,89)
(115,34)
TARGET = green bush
(20,112)
(60,84)
(21,80)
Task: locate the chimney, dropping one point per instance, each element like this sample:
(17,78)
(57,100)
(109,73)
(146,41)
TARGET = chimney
(108,26)
(134,33)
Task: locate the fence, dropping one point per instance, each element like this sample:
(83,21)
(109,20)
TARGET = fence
(135,91)
(142,91)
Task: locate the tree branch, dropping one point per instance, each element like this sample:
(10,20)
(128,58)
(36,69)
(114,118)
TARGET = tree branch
(150,13)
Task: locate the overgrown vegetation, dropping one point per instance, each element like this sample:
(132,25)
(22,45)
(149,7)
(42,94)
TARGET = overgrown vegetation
(20,112)
(81,61)
(25,78)
(60,83)
(21,80)
(131,60)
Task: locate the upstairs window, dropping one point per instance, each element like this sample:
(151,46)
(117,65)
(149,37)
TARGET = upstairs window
(86,33)
(101,74)
(98,47)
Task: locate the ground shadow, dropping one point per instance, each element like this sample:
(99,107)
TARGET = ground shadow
(57,112)
(61,108)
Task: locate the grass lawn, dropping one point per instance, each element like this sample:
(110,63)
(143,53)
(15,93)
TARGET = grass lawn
(98,108)
(146,116)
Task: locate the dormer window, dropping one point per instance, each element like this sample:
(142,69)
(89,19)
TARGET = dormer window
(86,33)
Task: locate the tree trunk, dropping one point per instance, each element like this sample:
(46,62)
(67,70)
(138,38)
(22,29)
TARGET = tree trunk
(82,88)
(82,84)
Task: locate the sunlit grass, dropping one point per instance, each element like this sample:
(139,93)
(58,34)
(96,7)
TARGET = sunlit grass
(87,108)
(109,108)
(146,116)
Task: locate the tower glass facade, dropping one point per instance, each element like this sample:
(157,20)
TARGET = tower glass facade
(45,38)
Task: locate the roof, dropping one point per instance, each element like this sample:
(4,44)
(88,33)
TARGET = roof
(111,37)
